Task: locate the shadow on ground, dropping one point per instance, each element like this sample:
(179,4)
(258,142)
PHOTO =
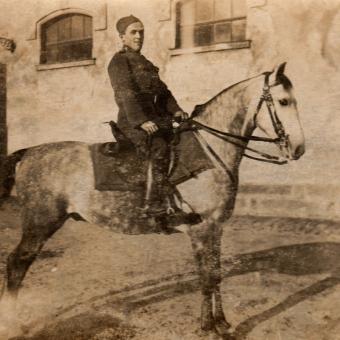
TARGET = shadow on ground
(85,326)
(296,260)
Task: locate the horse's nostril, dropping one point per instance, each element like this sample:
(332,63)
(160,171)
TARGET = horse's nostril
(299,151)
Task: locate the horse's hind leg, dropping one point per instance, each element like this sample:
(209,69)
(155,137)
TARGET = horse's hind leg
(38,227)
(36,231)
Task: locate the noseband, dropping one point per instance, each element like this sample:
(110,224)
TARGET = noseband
(282,137)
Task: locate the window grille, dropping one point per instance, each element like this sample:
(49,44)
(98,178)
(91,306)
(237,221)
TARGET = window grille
(209,22)
(66,38)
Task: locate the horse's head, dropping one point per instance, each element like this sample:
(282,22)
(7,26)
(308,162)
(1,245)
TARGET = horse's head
(277,114)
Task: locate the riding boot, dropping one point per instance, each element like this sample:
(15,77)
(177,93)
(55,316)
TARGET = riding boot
(160,193)
(154,204)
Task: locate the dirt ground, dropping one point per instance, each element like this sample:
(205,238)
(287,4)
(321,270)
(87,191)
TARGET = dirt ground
(281,281)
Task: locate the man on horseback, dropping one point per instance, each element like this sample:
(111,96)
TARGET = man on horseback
(146,110)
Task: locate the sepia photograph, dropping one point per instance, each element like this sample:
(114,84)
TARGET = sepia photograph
(169,170)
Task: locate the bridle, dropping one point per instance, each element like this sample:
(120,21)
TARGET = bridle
(282,137)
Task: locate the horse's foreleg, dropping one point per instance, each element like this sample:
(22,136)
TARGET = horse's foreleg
(201,243)
(206,243)
(222,326)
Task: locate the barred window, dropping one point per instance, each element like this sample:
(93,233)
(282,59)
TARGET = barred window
(209,22)
(66,38)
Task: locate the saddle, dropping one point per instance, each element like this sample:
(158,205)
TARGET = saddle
(118,167)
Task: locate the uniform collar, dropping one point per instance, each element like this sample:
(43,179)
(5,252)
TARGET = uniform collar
(129,49)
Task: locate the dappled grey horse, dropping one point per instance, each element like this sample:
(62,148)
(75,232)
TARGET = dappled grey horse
(55,181)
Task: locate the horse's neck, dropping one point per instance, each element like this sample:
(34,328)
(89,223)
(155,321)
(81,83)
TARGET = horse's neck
(232,111)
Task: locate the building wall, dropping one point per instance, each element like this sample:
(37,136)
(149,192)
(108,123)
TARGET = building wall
(3,125)
(71,103)
(51,105)
(295,200)
(304,33)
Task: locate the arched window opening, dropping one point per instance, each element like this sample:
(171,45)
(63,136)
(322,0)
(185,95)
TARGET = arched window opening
(66,38)
(209,22)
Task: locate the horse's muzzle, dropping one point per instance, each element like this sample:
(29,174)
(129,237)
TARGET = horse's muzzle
(298,152)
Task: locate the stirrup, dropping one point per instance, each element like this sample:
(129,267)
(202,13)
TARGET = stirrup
(181,217)
(149,211)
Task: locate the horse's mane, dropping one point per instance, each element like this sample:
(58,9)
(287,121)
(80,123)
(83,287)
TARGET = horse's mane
(200,107)
(283,79)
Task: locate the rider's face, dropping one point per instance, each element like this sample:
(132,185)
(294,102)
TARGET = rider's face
(134,36)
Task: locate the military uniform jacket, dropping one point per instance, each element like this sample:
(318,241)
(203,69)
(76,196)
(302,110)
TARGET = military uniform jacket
(140,94)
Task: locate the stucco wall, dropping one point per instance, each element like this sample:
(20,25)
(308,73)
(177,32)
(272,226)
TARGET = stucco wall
(71,103)
(58,104)
(296,200)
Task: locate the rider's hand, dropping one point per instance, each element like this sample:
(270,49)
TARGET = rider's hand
(149,127)
(181,116)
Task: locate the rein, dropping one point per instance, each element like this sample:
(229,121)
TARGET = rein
(281,140)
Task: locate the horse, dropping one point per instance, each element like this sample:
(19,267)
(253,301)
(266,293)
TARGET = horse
(55,181)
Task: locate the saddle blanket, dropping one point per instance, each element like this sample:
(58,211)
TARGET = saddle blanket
(124,170)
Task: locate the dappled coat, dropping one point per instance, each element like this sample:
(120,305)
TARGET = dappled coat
(140,94)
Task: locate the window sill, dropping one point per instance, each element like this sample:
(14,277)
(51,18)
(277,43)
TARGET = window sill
(44,67)
(211,48)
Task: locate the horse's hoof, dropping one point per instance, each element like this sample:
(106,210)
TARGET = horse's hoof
(226,335)
(229,337)
(222,323)
(207,326)
(222,328)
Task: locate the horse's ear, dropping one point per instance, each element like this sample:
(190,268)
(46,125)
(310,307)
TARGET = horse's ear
(279,71)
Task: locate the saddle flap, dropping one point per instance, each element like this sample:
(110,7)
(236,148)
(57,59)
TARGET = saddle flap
(116,149)
(118,167)
(191,158)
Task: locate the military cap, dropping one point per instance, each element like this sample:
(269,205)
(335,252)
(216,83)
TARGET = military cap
(123,23)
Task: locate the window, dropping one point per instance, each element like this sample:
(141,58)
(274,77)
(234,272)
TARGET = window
(210,22)
(66,38)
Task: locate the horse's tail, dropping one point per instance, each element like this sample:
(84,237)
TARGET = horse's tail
(7,173)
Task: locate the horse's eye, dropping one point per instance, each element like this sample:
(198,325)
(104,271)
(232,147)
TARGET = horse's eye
(283,102)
